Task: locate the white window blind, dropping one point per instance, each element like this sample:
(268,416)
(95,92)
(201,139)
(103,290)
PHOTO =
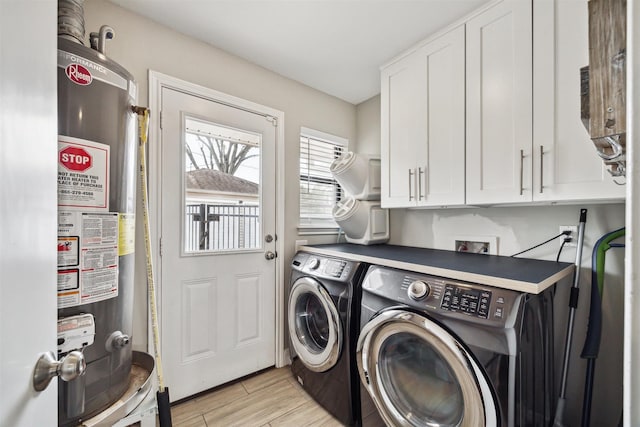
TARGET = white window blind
(319,192)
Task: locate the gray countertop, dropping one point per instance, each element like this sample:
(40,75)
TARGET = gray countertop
(518,274)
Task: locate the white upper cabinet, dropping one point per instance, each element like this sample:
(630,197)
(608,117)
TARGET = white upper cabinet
(402,130)
(566,166)
(499,104)
(422,110)
(503,87)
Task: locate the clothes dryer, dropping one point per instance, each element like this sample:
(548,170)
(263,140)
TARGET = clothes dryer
(439,352)
(323,318)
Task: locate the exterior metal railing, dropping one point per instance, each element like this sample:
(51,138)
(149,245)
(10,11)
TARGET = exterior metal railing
(212,227)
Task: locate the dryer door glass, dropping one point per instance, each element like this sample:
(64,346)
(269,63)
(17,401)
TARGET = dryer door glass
(419,374)
(312,322)
(314,325)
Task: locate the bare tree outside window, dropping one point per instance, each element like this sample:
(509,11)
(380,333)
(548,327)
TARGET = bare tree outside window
(222,187)
(218,154)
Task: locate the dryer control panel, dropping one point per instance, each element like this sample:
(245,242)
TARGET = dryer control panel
(324,267)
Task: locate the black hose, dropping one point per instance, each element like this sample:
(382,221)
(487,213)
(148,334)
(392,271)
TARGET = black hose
(588,393)
(591,346)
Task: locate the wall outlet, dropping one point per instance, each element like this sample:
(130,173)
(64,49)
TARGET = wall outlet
(574,235)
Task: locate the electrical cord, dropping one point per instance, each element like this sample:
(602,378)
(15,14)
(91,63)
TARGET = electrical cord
(565,241)
(564,233)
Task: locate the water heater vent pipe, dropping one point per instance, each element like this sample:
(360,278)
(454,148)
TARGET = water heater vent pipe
(71,20)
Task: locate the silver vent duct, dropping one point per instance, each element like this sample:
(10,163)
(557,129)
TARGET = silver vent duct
(71,20)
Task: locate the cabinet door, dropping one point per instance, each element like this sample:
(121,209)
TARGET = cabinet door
(499,104)
(403,119)
(441,173)
(566,166)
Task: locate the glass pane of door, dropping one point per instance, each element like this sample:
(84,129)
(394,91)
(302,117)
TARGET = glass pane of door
(419,381)
(222,188)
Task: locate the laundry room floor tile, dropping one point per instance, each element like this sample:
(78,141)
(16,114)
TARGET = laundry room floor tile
(272,398)
(265,379)
(197,406)
(260,407)
(309,414)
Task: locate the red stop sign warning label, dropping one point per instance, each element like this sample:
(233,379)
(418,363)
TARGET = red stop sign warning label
(75,159)
(83,174)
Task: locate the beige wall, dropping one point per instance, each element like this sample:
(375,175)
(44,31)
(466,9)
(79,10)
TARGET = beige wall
(367,114)
(140,45)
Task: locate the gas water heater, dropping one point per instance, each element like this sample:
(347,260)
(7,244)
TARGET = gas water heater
(97,158)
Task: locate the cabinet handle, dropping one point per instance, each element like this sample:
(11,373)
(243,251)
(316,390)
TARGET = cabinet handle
(541,169)
(420,173)
(410,179)
(521,170)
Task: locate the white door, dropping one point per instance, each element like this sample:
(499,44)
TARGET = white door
(218,233)
(28,210)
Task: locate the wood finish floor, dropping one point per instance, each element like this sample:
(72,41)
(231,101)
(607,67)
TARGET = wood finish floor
(272,398)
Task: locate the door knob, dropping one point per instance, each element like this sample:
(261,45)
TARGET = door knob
(68,368)
(269,255)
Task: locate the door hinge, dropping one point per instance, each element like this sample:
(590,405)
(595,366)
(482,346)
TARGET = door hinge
(272,120)
(160,120)
(160,247)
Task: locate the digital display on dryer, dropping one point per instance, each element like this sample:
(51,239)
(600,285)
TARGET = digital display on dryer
(471,301)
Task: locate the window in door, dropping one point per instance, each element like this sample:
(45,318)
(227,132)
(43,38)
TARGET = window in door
(319,192)
(222,188)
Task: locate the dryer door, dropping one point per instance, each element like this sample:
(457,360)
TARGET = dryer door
(314,325)
(419,374)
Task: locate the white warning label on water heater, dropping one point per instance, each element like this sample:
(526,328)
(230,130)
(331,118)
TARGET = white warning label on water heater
(83,174)
(87,257)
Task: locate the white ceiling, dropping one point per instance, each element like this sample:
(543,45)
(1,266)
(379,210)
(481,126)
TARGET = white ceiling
(335,46)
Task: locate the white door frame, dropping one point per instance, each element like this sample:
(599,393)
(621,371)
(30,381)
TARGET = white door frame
(158,81)
(631,363)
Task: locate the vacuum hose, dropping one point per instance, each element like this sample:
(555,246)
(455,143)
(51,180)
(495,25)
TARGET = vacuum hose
(594,330)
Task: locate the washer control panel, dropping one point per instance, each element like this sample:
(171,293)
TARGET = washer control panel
(468,301)
(475,302)
(418,290)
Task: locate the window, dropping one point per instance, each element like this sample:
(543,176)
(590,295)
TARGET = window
(221,188)
(319,192)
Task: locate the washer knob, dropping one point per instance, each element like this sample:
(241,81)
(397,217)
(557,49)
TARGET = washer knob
(314,263)
(418,290)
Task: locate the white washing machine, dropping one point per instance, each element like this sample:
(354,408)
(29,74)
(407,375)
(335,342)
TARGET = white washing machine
(440,352)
